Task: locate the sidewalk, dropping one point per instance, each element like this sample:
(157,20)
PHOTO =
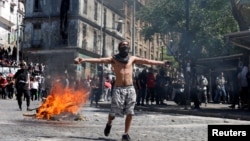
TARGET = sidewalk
(211,110)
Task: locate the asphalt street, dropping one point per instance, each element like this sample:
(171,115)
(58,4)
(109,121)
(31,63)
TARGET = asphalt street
(146,125)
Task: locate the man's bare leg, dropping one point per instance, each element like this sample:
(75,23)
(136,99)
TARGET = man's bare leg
(128,121)
(110,119)
(108,125)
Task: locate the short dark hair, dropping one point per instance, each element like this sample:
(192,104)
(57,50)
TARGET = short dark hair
(120,44)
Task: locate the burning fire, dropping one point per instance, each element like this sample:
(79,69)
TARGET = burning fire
(61,100)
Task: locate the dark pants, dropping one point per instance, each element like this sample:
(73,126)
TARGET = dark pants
(10,91)
(95,95)
(160,94)
(150,95)
(34,94)
(23,92)
(141,96)
(4,93)
(244,96)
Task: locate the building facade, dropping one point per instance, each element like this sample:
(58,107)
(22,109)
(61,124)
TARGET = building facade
(11,21)
(58,31)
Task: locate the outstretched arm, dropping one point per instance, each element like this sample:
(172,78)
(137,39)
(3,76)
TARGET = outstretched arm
(106,60)
(138,60)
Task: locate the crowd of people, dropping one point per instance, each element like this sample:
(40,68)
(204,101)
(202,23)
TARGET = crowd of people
(156,87)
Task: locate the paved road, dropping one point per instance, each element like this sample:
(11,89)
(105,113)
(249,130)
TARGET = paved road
(147,126)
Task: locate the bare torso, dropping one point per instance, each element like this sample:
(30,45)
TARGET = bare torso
(123,73)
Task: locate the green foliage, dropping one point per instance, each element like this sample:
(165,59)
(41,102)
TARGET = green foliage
(208,22)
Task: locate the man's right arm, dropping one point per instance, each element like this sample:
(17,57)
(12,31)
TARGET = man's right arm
(106,60)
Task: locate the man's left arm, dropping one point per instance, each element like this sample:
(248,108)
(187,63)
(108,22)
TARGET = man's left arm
(138,60)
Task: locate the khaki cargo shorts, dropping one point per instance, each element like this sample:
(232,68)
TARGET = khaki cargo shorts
(123,101)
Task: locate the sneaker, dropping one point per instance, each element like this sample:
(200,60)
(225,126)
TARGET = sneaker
(107,129)
(126,137)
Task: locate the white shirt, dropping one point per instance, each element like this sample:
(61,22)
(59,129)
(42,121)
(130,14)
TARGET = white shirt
(34,85)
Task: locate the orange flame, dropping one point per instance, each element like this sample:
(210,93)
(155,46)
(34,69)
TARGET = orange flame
(62,100)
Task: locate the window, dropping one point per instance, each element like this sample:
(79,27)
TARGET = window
(85,7)
(3,4)
(129,28)
(37,6)
(95,49)
(11,9)
(37,35)
(95,13)
(84,34)
(105,16)
(136,52)
(8,38)
(113,21)
(113,46)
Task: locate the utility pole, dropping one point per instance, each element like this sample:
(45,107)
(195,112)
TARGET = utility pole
(17,36)
(103,45)
(133,31)
(187,71)
(133,28)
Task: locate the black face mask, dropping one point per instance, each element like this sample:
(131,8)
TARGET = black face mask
(123,51)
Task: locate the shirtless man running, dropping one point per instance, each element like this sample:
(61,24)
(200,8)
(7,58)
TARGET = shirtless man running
(124,94)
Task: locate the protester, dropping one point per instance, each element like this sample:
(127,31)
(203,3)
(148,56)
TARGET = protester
(220,89)
(124,95)
(22,83)
(201,92)
(142,93)
(150,86)
(34,85)
(3,86)
(242,78)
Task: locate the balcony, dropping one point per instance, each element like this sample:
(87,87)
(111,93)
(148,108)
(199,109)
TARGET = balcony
(6,18)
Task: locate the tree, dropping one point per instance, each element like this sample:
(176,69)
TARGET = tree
(241,14)
(197,26)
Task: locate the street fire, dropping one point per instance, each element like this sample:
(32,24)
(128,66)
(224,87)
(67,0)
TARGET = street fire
(61,100)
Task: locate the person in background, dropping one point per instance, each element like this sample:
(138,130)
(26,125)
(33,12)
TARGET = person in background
(34,85)
(242,77)
(202,83)
(150,86)
(143,88)
(220,89)
(124,94)
(10,87)
(3,86)
(22,83)
(160,87)
(107,89)
(95,91)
